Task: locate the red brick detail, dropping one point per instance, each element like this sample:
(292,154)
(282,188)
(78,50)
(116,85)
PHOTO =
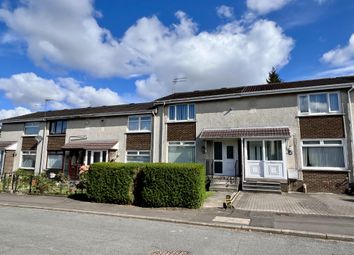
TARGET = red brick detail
(184,131)
(322,127)
(55,143)
(139,141)
(29,143)
(325,181)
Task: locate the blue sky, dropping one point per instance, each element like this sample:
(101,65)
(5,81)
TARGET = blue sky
(87,53)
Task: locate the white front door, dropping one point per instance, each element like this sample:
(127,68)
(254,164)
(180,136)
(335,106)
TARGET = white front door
(265,159)
(225,156)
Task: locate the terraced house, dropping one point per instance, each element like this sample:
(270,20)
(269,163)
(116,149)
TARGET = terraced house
(291,136)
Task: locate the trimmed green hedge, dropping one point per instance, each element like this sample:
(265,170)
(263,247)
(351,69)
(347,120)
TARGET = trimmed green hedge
(111,182)
(151,184)
(172,185)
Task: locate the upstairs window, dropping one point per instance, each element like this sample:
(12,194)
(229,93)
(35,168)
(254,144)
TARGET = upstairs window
(320,103)
(31,128)
(58,127)
(181,112)
(139,123)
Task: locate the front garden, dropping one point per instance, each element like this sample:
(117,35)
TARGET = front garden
(141,184)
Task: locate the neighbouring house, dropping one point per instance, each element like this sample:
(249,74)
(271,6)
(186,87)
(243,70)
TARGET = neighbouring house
(291,136)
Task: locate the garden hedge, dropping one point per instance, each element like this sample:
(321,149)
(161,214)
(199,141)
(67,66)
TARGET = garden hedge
(111,182)
(171,185)
(150,184)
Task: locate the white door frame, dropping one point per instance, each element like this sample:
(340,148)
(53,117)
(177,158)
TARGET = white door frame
(265,165)
(224,144)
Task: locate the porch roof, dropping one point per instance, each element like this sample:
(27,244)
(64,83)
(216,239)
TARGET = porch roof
(91,145)
(245,132)
(5,144)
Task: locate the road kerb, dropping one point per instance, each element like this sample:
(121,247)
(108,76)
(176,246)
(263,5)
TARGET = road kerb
(307,234)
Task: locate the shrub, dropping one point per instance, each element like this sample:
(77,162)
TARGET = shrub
(171,185)
(111,182)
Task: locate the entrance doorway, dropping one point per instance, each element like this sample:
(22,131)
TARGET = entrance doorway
(225,158)
(265,159)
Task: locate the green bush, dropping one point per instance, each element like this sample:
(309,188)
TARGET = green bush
(111,182)
(171,185)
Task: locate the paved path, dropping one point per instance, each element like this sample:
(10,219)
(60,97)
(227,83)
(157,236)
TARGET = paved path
(28,231)
(292,203)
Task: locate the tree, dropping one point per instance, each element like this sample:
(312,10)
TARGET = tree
(273,76)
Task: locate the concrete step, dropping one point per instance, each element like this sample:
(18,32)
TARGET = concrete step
(262,186)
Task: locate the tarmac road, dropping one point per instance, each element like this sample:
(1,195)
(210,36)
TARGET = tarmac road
(33,231)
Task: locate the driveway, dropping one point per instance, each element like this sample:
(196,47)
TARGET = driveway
(296,203)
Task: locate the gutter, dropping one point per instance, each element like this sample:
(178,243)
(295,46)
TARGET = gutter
(256,93)
(112,114)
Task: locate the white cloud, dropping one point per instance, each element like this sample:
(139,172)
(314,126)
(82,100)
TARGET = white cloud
(66,33)
(224,11)
(232,55)
(266,6)
(4,114)
(30,90)
(235,53)
(341,55)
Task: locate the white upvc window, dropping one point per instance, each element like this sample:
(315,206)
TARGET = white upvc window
(95,156)
(181,152)
(31,128)
(323,154)
(319,103)
(181,112)
(138,156)
(139,123)
(55,160)
(28,159)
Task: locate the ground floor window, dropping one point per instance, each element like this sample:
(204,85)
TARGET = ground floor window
(323,154)
(96,156)
(55,160)
(181,152)
(28,159)
(138,156)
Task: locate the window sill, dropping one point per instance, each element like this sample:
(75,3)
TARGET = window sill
(138,132)
(323,169)
(27,168)
(179,121)
(320,114)
(30,135)
(56,135)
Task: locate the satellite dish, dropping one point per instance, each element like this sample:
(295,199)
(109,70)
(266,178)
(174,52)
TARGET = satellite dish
(38,138)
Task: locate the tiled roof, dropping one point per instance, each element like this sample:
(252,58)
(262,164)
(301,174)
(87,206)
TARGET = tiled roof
(245,132)
(91,145)
(4,144)
(84,111)
(259,88)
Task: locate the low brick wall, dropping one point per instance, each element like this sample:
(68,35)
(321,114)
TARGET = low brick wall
(321,181)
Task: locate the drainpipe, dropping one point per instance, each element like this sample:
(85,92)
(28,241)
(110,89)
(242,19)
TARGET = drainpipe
(152,147)
(162,131)
(351,128)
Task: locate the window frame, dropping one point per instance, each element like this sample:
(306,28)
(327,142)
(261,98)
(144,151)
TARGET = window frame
(55,122)
(138,153)
(55,153)
(323,144)
(329,110)
(175,113)
(34,124)
(184,144)
(28,152)
(139,130)
(92,156)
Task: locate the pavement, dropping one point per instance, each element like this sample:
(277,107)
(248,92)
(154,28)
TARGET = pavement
(213,215)
(32,231)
